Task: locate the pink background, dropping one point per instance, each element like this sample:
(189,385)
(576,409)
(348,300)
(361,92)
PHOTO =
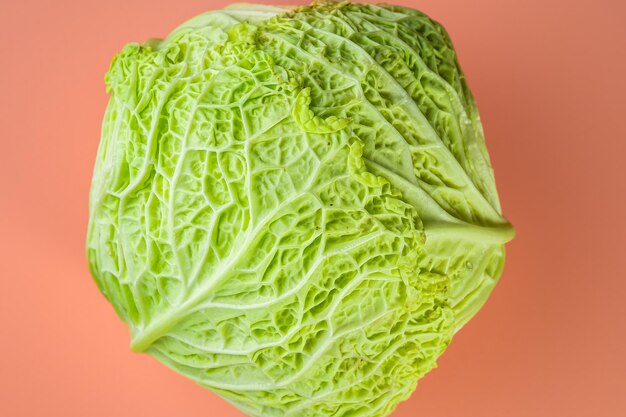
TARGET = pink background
(550,81)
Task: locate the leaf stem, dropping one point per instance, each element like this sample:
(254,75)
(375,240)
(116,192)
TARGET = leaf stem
(498,234)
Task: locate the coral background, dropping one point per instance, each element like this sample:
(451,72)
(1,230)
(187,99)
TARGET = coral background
(550,81)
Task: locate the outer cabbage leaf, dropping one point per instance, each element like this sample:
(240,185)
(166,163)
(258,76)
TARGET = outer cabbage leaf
(295,208)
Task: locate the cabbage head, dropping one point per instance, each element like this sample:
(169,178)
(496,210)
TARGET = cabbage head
(295,208)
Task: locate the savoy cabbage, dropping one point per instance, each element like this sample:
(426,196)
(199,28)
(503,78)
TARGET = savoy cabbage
(295,207)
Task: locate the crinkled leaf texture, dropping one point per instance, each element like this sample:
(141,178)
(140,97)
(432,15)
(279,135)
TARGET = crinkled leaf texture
(295,207)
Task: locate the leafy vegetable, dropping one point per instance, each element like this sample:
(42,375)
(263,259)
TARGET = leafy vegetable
(295,207)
